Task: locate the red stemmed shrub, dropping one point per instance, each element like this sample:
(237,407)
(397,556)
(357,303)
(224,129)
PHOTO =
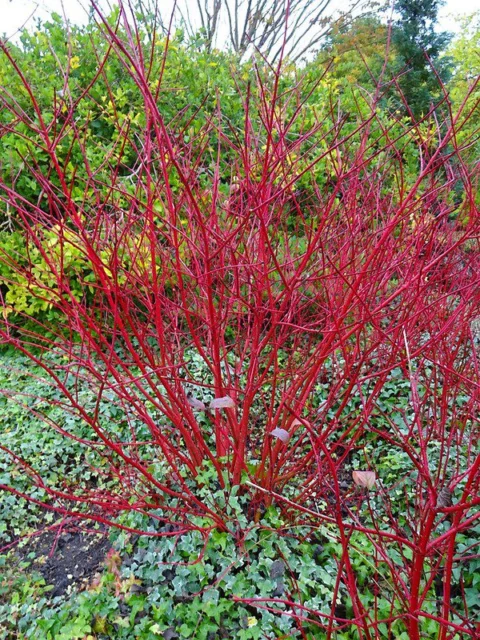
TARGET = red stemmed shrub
(221,282)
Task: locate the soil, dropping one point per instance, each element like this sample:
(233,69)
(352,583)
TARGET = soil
(68,558)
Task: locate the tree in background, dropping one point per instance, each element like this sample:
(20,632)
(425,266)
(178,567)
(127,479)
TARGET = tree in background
(294,27)
(419,47)
(464,53)
(357,50)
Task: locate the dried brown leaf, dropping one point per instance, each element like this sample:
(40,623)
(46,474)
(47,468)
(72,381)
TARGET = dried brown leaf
(222,403)
(197,405)
(281,434)
(364,479)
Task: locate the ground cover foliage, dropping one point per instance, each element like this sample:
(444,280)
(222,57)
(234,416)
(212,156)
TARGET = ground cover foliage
(192,586)
(240,336)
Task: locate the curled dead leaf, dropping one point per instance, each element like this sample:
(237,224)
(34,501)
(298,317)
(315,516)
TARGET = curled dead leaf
(197,405)
(444,498)
(281,434)
(300,423)
(365,479)
(222,403)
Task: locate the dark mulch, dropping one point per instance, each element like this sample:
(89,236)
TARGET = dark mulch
(68,557)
